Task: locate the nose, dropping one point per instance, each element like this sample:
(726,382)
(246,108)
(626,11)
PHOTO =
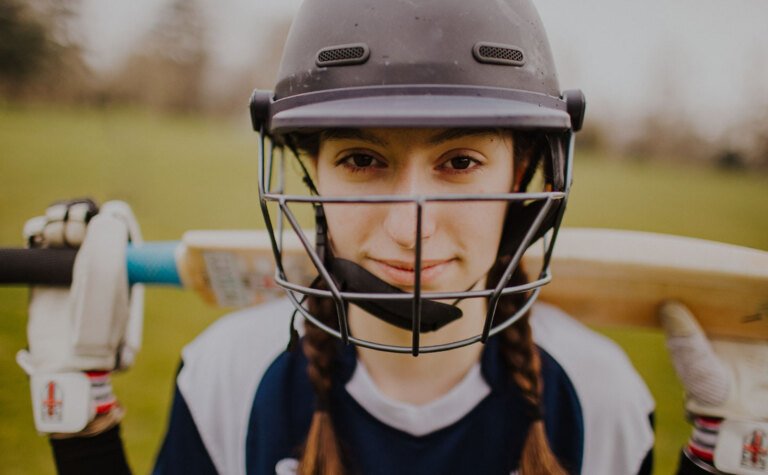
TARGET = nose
(401,225)
(401,218)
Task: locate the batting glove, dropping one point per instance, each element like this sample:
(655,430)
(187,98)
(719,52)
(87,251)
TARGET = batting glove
(726,383)
(77,336)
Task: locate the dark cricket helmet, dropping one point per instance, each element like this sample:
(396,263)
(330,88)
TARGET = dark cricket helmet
(427,64)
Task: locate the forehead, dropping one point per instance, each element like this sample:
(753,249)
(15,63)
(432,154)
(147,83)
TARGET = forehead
(386,137)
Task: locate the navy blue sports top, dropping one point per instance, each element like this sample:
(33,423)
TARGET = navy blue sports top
(243,406)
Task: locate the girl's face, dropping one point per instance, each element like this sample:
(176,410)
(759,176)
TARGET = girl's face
(459,239)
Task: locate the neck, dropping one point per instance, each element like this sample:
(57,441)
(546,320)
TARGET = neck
(424,378)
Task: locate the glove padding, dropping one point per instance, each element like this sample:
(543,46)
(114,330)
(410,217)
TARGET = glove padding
(94,325)
(725,379)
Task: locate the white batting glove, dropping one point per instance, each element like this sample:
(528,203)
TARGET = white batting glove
(726,383)
(76,336)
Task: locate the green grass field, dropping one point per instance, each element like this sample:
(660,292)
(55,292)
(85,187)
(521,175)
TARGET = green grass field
(189,173)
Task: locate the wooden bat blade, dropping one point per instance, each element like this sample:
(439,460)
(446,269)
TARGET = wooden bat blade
(611,277)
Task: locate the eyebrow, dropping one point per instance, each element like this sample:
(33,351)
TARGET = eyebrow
(445,136)
(453,134)
(353,134)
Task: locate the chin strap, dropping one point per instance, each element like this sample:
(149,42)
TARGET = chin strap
(353,278)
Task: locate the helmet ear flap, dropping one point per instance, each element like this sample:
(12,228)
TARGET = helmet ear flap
(546,150)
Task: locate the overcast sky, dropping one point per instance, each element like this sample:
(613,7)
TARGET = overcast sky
(707,59)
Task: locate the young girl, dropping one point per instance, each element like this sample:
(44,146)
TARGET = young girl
(422,129)
(437,146)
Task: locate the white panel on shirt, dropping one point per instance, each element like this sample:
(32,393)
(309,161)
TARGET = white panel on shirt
(615,402)
(222,369)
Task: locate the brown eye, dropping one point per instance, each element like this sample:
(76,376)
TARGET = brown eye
(361,161)
(357,162)
(461,163)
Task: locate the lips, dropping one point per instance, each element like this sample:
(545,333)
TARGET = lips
(403,273)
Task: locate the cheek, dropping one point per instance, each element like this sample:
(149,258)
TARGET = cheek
(477,229)
(479,225)
(349,226)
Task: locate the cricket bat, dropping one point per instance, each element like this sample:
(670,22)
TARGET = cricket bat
(600,276)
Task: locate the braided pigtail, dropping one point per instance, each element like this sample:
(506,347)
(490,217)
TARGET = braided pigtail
(524,365)
(322,451)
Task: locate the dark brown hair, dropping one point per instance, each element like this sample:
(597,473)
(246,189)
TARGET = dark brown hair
(322,453)
(524,365)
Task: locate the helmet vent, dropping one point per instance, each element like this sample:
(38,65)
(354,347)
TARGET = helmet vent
(343,55)
(498,54)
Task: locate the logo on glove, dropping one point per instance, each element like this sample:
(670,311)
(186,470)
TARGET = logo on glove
(754,450)
(52,401)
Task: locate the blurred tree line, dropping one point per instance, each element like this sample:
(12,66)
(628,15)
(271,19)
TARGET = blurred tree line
(171,70)
(39,56)
(167,68)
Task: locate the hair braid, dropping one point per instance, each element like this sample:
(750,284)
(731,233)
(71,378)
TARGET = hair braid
(524,365)
(322,452)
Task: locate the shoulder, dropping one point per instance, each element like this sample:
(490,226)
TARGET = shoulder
(222,371)
(241,330)
(615,402)
(586,355)
(571,342)
(237,345)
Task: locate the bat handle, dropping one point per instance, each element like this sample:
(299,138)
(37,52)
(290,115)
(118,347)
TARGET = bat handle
(153,263)
(150,263)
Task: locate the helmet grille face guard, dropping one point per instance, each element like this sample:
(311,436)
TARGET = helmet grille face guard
(469,76)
